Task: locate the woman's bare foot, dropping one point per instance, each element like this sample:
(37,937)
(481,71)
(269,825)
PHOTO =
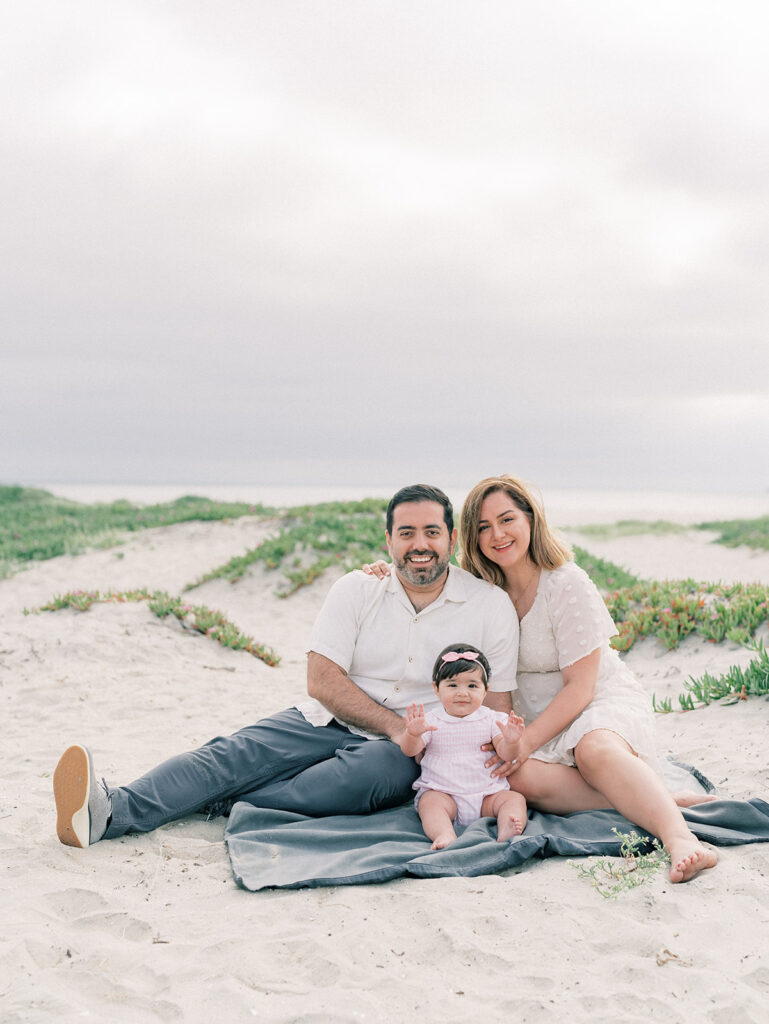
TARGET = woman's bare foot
(688,798)
(688,857)
(508,825)
(444,839)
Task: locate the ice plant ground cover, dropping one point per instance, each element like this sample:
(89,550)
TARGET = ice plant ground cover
(198,618)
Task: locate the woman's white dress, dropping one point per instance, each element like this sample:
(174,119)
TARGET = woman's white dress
(567,621)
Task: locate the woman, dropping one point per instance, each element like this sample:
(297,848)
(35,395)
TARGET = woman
(589,737)
(589,740)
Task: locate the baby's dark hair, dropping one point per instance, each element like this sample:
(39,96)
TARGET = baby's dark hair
(448,667)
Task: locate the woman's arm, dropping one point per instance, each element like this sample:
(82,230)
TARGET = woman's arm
(579,682)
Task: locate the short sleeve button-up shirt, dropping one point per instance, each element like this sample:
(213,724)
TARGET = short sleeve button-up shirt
(371,630)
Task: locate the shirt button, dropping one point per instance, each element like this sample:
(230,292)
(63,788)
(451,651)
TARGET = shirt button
(416,620)
(411,659)
(397,689)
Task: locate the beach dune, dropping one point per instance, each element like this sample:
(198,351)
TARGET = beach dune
(153,927)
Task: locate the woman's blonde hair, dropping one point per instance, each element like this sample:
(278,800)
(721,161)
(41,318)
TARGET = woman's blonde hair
(545,549)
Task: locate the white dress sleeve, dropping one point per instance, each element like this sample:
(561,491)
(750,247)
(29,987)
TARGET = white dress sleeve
(580,619)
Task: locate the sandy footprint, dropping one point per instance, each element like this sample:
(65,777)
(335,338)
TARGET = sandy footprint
(71,904)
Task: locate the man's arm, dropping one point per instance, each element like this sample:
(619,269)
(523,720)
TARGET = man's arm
(499,700)
(331,685)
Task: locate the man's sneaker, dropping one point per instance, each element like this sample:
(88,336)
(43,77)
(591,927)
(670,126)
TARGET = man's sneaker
(82,805)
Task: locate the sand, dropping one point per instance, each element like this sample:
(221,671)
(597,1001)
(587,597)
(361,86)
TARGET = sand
(153,928)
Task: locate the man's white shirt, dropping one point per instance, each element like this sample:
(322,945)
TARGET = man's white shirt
(371,630)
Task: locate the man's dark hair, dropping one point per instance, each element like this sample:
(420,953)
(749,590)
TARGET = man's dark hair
(421,492)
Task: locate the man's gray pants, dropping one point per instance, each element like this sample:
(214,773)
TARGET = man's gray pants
(282,762)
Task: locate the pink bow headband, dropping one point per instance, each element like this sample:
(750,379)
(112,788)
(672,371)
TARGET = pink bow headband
(463,656)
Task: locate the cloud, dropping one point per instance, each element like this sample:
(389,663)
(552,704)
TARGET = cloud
(266,239)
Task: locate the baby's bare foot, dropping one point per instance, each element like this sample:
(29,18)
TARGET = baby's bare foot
(688,798)
(508,826)
(444,839)
(688,857)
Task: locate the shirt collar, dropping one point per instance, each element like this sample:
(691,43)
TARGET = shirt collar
(442,714)
(454,589)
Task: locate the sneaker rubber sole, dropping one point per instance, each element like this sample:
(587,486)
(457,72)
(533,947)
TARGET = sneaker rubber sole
(72,790)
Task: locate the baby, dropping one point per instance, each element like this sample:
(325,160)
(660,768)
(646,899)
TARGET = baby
(455,787)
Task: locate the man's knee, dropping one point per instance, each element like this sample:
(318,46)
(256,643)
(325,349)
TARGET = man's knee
(378,774)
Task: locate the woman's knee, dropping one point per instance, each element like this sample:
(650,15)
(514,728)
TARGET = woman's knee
(599,749)
(530,782)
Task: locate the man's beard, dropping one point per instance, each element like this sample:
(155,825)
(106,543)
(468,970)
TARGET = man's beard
(425,574)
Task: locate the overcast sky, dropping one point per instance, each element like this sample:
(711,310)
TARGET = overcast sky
(265,240)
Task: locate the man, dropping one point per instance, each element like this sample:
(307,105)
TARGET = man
(371,654)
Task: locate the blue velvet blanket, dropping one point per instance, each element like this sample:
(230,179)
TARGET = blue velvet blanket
(278,849)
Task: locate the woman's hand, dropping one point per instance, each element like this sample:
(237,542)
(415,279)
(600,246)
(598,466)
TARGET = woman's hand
(380,569)
(501,768)
(524,752)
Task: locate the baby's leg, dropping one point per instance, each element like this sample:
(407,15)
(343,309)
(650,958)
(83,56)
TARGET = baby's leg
(509,808)
(437,812)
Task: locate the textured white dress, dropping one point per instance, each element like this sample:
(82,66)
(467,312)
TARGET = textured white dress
(567,621)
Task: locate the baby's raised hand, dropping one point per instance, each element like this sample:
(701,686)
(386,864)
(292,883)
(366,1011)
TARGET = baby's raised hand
(416,723)
(512,728)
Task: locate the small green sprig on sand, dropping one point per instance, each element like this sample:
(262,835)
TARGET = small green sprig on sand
(198,618)
(611,876)
(735,685)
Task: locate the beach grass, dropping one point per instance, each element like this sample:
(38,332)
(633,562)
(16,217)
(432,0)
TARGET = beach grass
(751,533)
(36,525)
(734,685)
(627,528)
